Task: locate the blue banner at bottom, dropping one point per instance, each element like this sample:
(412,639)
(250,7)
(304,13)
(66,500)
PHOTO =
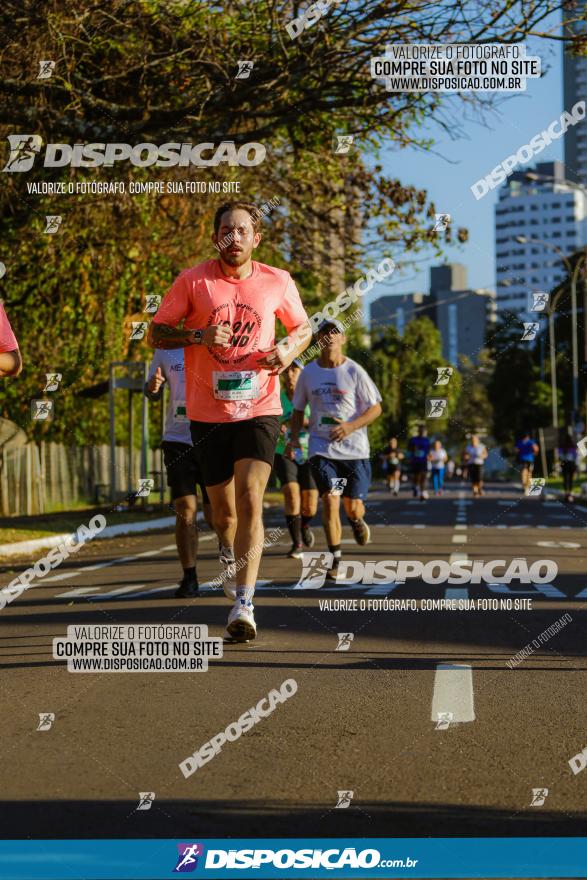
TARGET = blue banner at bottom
(372,858)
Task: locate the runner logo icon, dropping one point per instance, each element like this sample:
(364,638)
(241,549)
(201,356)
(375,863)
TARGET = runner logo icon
(443,720)
(344,641)
(539,795)
(344,799)
(187,861)
(53,380)
(337,485)
(530,331)
(146,799)
(435,407)
(314,568)
(444,374)
(23,149)
(46,69)
(46,719)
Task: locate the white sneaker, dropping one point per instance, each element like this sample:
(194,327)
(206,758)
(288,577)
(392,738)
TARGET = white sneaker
(228,576)
(241,626)
(424,495)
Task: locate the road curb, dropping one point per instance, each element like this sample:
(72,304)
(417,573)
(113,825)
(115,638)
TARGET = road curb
(20,547)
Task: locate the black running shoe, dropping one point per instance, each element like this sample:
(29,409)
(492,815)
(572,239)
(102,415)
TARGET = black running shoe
(188,589)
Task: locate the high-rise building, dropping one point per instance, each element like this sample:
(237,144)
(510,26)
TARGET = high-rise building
(461,314)
(540,217)
(575,89)
(397,311)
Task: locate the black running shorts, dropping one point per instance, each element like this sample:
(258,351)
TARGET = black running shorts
(183,470)
(289,471)
(220,444)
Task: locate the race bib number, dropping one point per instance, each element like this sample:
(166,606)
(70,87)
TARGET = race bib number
(325,425)
(180,412)
(238,385)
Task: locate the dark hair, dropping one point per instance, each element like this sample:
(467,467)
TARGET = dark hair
(253,210)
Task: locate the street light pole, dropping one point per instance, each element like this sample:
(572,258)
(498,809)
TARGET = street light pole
(523,239)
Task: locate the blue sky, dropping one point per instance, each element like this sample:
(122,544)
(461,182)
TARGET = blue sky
(448,173)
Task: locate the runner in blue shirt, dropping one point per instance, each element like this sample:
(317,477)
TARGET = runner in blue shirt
(419,447)
(527,451)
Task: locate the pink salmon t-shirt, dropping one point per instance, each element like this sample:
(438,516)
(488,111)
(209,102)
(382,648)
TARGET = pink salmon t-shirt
(7,338)
(225,384)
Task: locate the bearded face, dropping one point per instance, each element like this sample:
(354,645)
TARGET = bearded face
(236,237)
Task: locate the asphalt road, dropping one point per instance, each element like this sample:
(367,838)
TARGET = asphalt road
(363,720)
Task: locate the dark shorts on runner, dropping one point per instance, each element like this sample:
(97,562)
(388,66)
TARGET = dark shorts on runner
(183,470)
(356,472)
(418,465)
(526,466)
(220,444)
(475,472)
(289,471)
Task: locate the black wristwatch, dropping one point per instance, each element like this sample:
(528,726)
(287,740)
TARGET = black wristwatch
(198,337)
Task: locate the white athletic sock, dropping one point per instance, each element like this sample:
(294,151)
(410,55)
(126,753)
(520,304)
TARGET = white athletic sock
(244,596)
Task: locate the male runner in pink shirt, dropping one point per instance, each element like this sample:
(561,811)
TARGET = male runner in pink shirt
(232,364)
(10,359)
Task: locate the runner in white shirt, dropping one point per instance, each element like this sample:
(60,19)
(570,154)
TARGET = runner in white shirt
(343,401)
(437,457)
(183,471)
(475,455)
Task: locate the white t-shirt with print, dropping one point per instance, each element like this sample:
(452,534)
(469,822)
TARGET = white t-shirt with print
(336,393)
(177,423)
